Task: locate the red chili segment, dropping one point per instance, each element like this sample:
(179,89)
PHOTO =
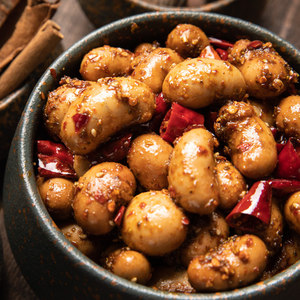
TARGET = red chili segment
(253,212)
(178,120)
(222,53)
(51,166)
(285,185)
(56,150)
(255,44)
(288,166)
(119,216)
(209,52)
(80,120)
(114,150)
(220,43)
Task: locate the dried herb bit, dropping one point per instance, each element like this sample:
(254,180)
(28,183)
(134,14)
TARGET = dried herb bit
(178,120)
(253,212)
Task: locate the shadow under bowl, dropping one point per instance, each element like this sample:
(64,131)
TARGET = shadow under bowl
(53,267)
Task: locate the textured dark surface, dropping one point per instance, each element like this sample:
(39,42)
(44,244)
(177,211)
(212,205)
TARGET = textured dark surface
(279,16)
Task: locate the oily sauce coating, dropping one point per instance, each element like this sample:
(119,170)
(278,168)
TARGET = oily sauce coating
(153,69)
(288,116)
(59,101)
(292,211)
(208,232)
(192,180)
(231,184)
(58,195)
(100,193)
(106,61)
(153,224)
(266,73)
(235,263)
(112,104)
(129,264)
(187,40)
(251,142)
(199,82)
(148,159)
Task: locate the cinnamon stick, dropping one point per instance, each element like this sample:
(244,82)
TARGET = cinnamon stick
(35,53)
(35,13)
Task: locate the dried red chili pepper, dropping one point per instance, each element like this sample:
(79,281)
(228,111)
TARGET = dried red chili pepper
(51,166)
(209,52)
(177,120)
(114,150)
(220,43)
(285,186)
(222,53)
(288,166)
(255,44)
(161,109)
(80,120)
(253,212)
(119,216)
(56,150)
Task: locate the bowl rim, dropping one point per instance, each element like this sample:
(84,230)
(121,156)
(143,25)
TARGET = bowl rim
(25,161)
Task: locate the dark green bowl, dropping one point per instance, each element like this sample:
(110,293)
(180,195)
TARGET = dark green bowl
(53,267)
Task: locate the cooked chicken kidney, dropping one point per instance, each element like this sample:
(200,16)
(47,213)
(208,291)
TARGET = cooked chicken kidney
(181,158)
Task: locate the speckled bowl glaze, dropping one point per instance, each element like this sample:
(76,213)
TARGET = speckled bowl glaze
(101,12)
(53,267)
(11,108)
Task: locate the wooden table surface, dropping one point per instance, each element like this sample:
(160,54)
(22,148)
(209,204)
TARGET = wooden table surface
(279,16)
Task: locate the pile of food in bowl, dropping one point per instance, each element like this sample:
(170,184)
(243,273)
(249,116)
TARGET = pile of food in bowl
(177,166)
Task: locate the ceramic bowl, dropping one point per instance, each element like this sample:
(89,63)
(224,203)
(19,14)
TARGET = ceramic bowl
(53,267)
(11,108)
(106,11)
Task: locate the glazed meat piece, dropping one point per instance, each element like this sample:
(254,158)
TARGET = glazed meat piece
(153,69)
(129,264)
(208,232)
(153,224)
(251,142)
(60,100)
(109,106)
(266,73)
(199,82)
(142,51)
(148,159)
(235,263)
(58,195)
(101,191)
(231,184)
(106,61)
(188,40)
(292,211)
(288,116)
(86,244)
(192,180)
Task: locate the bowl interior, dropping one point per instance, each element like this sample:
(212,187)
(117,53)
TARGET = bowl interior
(128,33)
